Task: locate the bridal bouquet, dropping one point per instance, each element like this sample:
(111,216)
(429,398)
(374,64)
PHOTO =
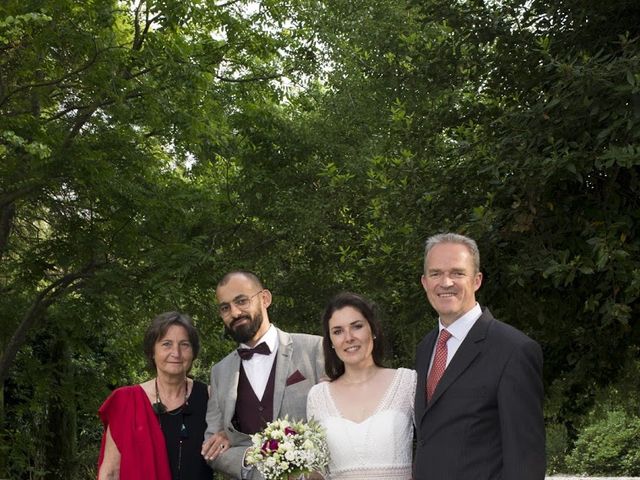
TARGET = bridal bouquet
(285,448)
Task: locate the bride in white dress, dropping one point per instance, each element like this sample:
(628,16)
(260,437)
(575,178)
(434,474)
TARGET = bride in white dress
(366,409)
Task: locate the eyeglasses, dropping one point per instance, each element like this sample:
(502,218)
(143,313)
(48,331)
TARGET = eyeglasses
(241,302)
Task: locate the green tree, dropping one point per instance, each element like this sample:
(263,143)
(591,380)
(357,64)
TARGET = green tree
(147,147)
(104,108)
(508,122)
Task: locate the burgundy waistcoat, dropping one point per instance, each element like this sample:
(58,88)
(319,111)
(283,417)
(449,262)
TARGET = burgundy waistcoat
(252,415)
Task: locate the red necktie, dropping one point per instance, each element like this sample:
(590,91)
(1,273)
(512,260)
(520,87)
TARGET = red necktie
(439,363)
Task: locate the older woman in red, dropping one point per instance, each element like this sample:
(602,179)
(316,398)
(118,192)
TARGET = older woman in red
(155,429)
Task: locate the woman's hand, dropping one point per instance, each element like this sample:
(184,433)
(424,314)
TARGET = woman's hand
(215,445)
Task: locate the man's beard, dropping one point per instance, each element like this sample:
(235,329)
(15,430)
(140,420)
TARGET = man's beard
(244,333)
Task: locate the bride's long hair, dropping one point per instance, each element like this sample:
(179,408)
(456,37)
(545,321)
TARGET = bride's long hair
(334,367)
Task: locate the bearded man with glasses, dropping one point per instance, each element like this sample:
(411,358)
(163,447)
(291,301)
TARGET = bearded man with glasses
(266,378)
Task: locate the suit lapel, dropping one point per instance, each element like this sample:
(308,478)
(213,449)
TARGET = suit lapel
(283,364)
(232,392)
(466,354)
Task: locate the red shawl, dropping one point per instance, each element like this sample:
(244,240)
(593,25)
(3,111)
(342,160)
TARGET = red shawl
(136,432)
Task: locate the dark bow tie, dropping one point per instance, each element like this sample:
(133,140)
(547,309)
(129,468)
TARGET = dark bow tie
(247,353)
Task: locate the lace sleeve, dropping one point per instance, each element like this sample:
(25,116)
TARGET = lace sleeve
(409,381)
(314,401)
(407,389)
(414,381)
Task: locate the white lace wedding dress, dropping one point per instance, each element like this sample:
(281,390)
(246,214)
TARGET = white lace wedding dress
(379,447)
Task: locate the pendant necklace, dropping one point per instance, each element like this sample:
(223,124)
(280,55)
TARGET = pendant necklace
(160,408)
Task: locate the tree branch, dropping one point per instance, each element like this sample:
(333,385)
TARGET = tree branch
(9,198)
(94,106)
(228,4)
(7,214)
(249,79)
(39,305)
(56,81)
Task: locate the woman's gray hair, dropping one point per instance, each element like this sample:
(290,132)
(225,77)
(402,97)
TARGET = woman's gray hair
(158,329)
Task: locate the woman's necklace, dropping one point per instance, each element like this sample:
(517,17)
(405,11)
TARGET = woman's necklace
(161,409)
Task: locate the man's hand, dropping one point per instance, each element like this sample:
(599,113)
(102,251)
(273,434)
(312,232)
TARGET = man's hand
(215,445)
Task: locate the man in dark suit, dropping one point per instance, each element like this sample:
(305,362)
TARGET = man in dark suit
(267,378)
(479,395)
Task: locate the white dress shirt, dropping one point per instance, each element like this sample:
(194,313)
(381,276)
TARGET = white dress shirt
(458,330)
(258,367)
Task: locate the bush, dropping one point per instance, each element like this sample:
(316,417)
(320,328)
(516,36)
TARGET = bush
(557,442)
(608,446)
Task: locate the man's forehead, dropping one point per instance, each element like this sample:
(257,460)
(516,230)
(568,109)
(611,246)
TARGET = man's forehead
(450,255)
(448,249)
(236,285)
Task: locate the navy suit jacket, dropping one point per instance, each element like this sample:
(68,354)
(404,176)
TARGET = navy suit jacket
(485,419)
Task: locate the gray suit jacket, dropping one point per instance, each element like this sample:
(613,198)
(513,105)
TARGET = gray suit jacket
(297,352)
(485,420)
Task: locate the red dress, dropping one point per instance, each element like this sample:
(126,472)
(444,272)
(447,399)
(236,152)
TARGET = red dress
(136,432)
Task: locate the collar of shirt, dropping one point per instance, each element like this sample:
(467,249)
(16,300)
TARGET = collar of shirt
(270,338)
(258,368)
(459,330)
